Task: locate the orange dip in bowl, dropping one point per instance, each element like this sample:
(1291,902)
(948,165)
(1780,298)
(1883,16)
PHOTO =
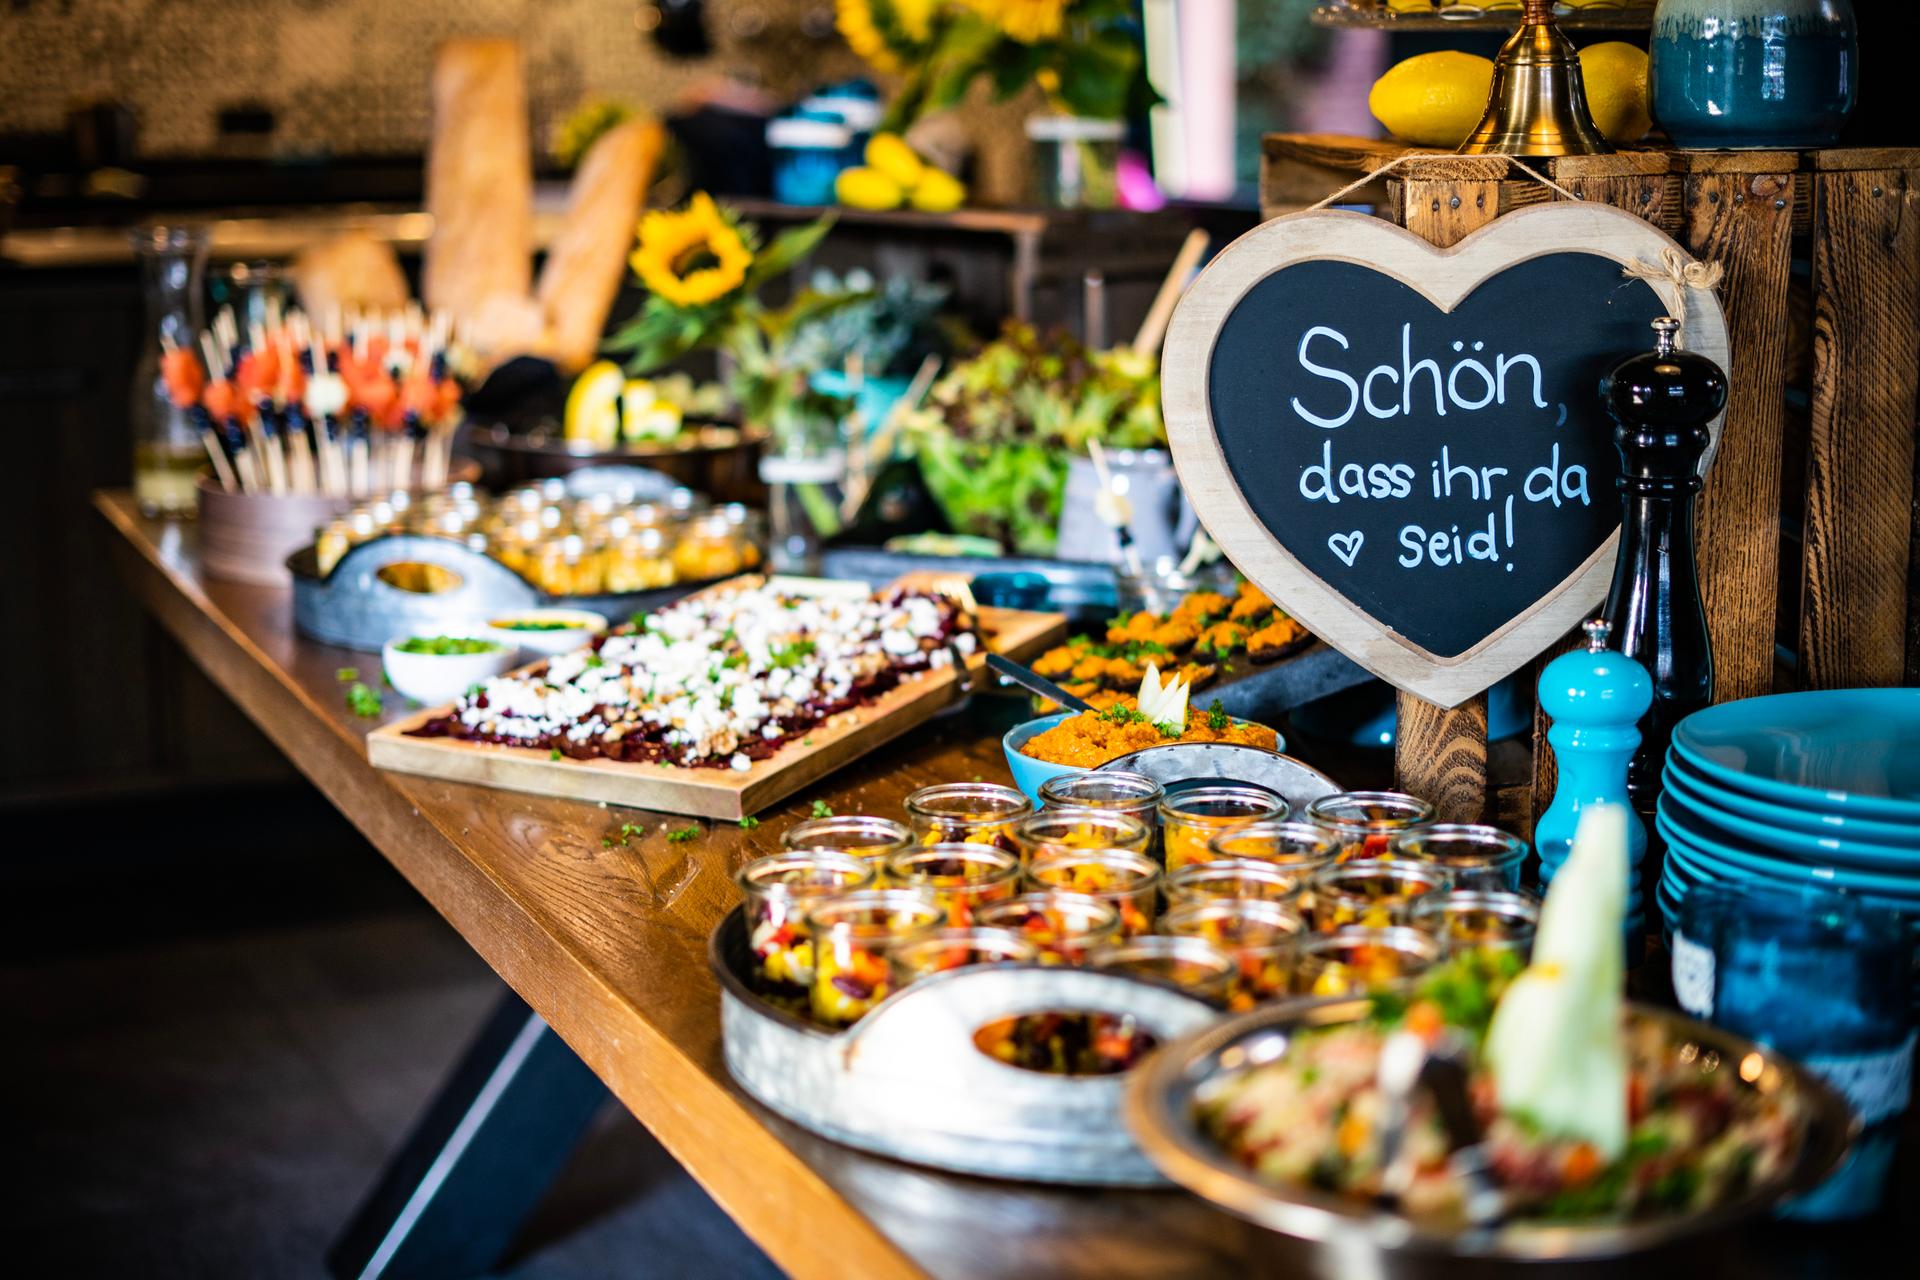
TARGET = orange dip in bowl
(1090,739)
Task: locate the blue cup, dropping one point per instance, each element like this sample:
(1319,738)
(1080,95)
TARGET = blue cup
(1823,978)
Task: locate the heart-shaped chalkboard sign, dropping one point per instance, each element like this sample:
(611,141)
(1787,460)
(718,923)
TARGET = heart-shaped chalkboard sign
(1405,446)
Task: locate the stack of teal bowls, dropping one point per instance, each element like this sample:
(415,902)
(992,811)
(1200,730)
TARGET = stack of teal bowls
(1818,788)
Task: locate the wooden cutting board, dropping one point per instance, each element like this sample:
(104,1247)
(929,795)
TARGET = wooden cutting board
(713,793)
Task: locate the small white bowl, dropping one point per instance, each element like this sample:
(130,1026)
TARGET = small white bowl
(581,625)
(434,678)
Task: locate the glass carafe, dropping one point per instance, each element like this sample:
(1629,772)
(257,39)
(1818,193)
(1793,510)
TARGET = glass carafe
(167,452)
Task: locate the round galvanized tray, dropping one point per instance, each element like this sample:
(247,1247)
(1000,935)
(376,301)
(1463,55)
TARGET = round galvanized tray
(1178,766)
(907,1081)
(358,607)
(1321,1234)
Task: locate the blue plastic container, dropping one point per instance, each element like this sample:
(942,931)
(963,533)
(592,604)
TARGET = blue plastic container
(808,154)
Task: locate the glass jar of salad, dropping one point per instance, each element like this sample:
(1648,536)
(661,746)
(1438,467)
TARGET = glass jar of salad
(1372,892)
(638,559)
(944,949)
(1064,927)
(960,877)
(1127,881)
(1358,959)
(862,835)
(776,892)
(1134,794)
(1297,848)
(1232,878)
(1479,920)
(1260,936)
(1189,820)
(851,935)
(1366,821)
(967,813)
(1473,857)
(1057,830)
(1196,966)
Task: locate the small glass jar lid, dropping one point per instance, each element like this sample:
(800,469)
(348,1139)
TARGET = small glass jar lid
(1233,878)
(1193,964)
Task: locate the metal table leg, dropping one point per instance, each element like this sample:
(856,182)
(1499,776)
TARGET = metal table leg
(479,1159)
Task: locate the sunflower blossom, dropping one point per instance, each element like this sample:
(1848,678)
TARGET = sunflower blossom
(1027,21)
(691,257)
(854,18)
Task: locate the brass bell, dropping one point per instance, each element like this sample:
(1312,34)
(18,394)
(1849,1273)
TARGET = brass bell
(1538,106)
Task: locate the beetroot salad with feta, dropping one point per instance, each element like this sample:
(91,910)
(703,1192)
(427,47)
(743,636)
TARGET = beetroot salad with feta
(717,680)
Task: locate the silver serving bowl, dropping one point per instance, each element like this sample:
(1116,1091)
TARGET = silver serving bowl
(1319,1233)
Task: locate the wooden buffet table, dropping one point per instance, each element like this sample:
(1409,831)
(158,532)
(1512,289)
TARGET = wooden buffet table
(608,944)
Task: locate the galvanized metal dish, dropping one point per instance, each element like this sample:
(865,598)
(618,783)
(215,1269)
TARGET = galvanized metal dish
(1178,766)
(1322,1234)
(374,593)
(907,1080)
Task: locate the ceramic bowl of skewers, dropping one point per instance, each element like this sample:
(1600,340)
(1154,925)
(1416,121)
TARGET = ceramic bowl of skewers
(302,416)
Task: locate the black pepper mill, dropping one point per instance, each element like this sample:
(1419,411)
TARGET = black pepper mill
(1662,402)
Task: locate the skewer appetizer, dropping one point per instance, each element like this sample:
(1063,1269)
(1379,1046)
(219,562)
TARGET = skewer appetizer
(356,405)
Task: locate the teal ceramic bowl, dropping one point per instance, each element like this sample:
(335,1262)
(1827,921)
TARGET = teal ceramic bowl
(1785,831)
(1718,860)
(1029,774)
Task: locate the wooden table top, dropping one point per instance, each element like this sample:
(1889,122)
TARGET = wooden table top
(608,944)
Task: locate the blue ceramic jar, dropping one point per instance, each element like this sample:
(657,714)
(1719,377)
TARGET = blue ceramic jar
(1753,74)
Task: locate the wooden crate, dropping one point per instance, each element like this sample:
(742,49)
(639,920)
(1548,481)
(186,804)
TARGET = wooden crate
(1809,528)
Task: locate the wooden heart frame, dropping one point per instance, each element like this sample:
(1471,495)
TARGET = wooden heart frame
(1445,277)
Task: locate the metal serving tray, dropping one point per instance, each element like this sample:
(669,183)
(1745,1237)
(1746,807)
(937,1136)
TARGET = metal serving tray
(907,1081)
(356,608)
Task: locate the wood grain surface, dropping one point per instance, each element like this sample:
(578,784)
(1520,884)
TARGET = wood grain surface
(607,942)
(1860,465)
(1744,221)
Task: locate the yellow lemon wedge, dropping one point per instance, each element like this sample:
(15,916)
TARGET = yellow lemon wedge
(1433,99)
(593,406)
(938,192)
(890,154)
(645,417)
(865,188)
(1615,74)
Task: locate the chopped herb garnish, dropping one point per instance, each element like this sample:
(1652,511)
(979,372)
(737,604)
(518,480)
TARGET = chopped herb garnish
(345,674)
(684,834)
(362,701)
(1168,729)
(595,660)
(794,654)
(821,809)
(1121,713)
(1217,717)
(553,753)
(445,646)
(475,690)
(748,824)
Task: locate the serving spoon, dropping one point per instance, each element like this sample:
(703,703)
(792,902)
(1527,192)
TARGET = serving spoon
(1408,1062)
(1032,681)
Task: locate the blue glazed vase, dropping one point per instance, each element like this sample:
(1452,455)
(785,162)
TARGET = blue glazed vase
(1753,74)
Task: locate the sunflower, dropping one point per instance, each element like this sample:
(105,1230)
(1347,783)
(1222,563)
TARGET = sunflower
(692,257)
(1027,21)
(855,20)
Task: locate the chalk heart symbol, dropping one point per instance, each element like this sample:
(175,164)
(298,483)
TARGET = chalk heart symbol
(1545,280)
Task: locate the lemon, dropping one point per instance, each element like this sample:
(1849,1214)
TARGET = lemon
(865,188)
(1616,78)
(645,416)
(938,192)
(593,406)
(1433,99)
(890,154)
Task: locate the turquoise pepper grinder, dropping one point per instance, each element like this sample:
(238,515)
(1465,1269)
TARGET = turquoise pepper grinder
(1596,698)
